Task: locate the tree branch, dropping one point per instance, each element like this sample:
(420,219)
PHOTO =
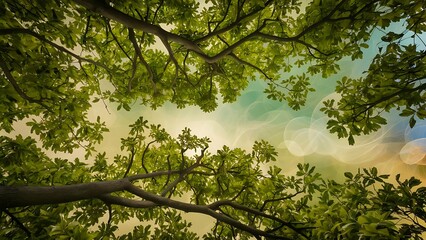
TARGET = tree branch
(138,51)
(143,155)
(204,209)
(218,204)
(232,25)
(19,196)
(290,39)
(172,57)
(109,28)
(16,220)
(165,36)
(107,11)
(181,177)
(152,175)
(184,173)
(15,85)
(110,199)
(60,48)
(129,166)
(280,199)
(232,55)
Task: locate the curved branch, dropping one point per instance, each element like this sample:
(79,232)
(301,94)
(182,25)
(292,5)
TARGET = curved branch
(60,48)
(107,11)
(183,174)
(109,199)
(223,17)
(143,155)
(290,39)
(280,199)
(109,28)
(138,51)
(15,85)
(172,57)
(16,220)
(231,48)
(181,177)
(129,166)
(232,55)
(232,25)
(218,204)
(322,21)
(204,209)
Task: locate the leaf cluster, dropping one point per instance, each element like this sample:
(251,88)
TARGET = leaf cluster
(243,197)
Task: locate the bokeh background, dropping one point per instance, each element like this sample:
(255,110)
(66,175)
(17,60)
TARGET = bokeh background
(299,136)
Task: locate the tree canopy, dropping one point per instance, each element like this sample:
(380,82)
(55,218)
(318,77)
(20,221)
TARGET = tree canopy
(58,57)
(243,197)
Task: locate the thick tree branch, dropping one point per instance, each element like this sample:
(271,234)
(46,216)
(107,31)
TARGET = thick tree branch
(19,196)
(105,10)
(27,195)
(165,36)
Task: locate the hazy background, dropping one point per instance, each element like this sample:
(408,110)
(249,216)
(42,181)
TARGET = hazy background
(299,136)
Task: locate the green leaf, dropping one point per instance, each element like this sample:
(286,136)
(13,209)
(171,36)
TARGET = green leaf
(349,175)
(412,122)
(351,139)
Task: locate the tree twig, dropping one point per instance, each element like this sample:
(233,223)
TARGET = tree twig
(58,47)
(138,51)
(19,223)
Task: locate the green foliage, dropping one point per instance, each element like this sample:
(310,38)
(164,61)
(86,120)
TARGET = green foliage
(394,79)
(59,57)
(55,54)
(233,182)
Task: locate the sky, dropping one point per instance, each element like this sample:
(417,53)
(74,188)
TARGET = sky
(299,136)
